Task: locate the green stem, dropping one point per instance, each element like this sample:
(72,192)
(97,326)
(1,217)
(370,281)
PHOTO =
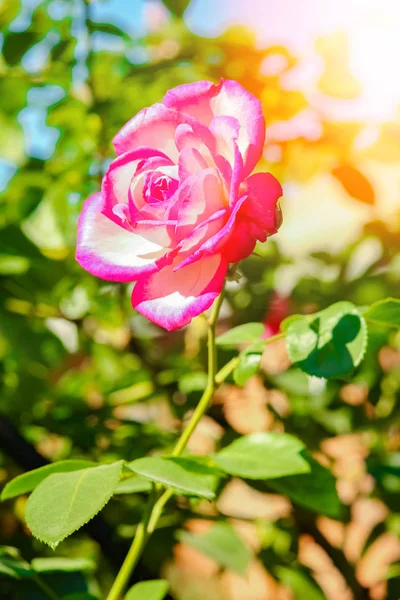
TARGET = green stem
(155,508)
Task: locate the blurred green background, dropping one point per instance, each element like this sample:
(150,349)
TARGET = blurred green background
(83,375)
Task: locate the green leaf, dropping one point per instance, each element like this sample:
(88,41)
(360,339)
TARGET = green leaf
(188,476)
(148,590)
(249,332)
(248,366)
(13,265)
(300,583)
(263,456)
(108,28)
(328,343)
(315,490)
(177,7)
(222,544)
(28,481)
(385,312)
(13,565)
(64,502)
(133,485)
(16,44)
(59,563)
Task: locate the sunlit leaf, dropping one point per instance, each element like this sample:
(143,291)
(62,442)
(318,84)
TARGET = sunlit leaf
(249,363)
(64,502)
(13,265)
(243,333)
(133,485)
(28,481)
(188,476)
(60,563)
(263,456)
(385,312)
(148,590)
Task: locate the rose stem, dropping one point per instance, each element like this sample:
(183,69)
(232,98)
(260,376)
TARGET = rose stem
(155,507)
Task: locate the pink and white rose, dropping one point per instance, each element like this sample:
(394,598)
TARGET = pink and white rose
(179,203)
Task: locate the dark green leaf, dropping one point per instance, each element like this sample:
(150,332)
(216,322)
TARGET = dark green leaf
(188,476)
(249,332)
(64,502)
(263,456)
(385,312)
(16,44)
(315,490)
(328,343)
(108,28)
(222,544)
(148,590)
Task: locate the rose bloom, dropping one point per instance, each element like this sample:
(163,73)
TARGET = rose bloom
(179,203)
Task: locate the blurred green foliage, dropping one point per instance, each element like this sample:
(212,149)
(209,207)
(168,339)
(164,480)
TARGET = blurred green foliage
(82,376)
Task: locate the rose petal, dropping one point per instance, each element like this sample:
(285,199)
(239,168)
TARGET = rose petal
(172,298)
(109,251)
(204,101)
(219,241)
(226,132)
(117,181)
(154,127)
(190,162)
(264,192)
(201,195)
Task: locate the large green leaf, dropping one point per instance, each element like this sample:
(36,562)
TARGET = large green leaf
(222,544)
(188,476)
(328,343)
(148,590)
(263,456)
(249,332)
(385,312)
(64,502)
(28,481)
(315,490)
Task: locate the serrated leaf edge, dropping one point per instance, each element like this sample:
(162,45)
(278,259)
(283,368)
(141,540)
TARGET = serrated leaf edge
(53,546)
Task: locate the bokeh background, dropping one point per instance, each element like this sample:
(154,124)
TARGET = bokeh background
(82,375)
